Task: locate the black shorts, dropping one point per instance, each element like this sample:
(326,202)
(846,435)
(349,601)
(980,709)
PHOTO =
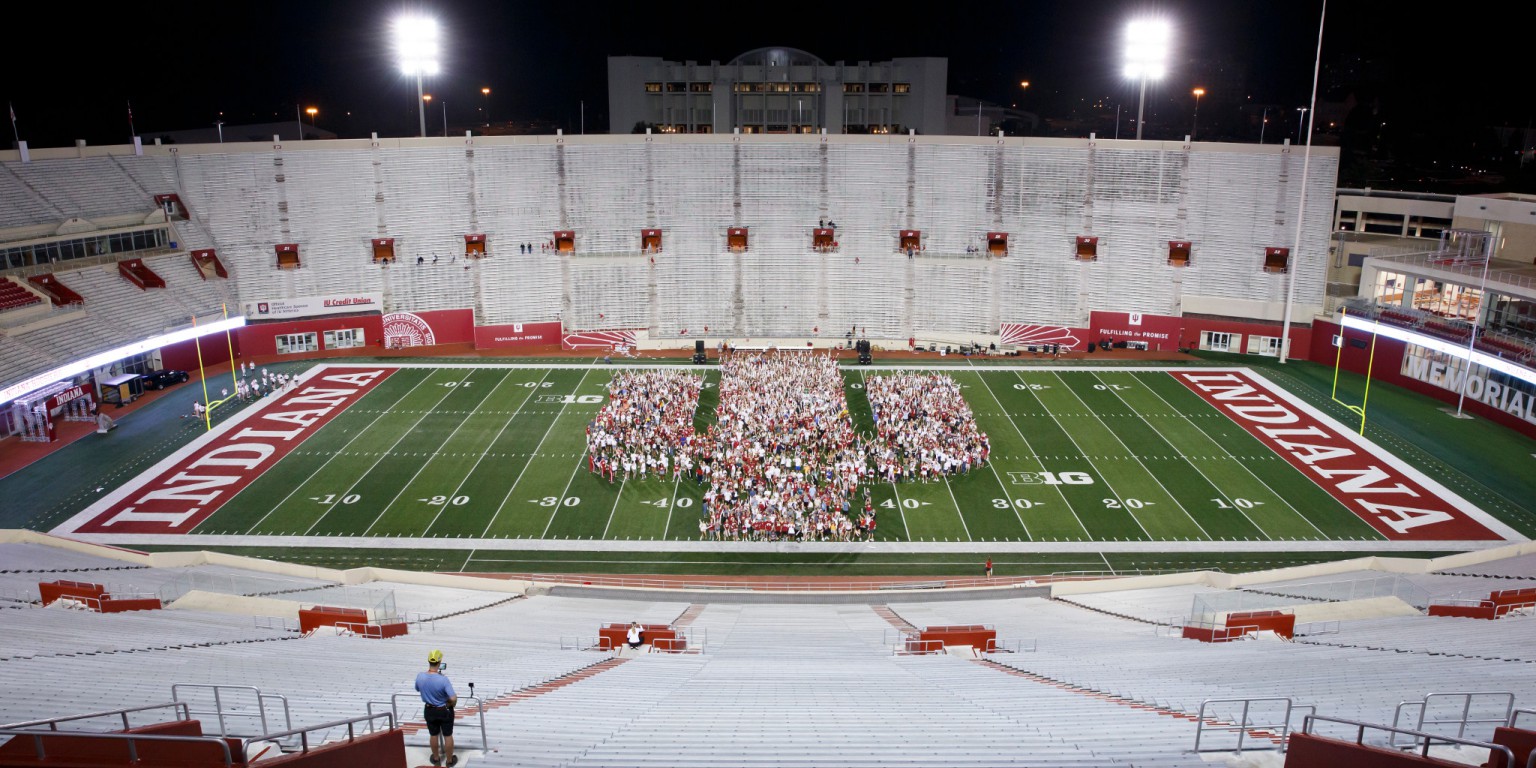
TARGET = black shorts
(439,721)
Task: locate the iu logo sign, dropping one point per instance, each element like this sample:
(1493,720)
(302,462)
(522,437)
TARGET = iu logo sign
(263,308)
(517,327)
(1135,318)
(404,329)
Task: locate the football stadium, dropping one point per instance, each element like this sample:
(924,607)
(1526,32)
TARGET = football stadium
(760,449)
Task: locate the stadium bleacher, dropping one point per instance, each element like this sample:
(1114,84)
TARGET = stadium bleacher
(791,682)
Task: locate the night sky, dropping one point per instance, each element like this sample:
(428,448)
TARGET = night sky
(182,64)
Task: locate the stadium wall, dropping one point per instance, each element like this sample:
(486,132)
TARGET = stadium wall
(1231,201)
(1356,358)
(331,198)
(184,356)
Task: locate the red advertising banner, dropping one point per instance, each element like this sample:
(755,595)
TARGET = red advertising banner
(429,328)
(1400,503)
(1158,331)
(517,335)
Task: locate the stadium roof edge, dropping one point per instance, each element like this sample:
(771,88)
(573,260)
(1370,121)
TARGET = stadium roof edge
(166,150)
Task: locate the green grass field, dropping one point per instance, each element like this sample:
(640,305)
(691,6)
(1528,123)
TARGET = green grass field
(498,453)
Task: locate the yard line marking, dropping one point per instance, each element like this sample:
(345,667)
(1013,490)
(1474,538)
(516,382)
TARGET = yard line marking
(990,465)
(615,508)
(672,504)
(1127,448)
(1186,459)
(554,513)
(1038,460)
(961,514)
(471,554)
(1086,457)
(422,466)
(332,458)
(1243,464)
(526,398)
(520,472)
(447,391)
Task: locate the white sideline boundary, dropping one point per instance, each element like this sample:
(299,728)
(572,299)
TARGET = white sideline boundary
(819,547)
(68,527)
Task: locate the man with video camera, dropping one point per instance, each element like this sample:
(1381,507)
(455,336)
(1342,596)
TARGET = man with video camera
(439,697)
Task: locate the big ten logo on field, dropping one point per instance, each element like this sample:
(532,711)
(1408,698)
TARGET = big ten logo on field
(569,399)
(1050,478)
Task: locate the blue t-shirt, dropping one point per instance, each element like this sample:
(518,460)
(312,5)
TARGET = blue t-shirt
(435,689)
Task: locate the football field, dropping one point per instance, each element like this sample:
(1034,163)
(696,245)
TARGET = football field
(489,453)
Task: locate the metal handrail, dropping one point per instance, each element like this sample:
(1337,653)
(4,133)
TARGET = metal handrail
(275,622)
(394,708)
(362,628)
(128,738)
(1242,726)
(584,643)
(1329,627)
(303,733)
(1463,721)
(53,722)
(221,713)
(1426,738)
(1014,646)
(917,647)
(1515,716)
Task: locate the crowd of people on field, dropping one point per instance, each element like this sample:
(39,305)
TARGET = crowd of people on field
(647,426)
(923,428)
(783,461)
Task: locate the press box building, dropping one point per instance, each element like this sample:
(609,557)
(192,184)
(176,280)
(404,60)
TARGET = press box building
(777,90)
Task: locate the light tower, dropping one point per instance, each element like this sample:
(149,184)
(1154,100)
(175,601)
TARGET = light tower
(1146,58)
(416,47)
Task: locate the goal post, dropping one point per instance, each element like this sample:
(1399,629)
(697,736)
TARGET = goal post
(1370,365)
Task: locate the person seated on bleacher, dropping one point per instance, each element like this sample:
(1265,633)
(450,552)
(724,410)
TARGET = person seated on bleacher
(634,636)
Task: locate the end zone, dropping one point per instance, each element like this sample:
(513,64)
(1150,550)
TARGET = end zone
(177,494)
(1398,501)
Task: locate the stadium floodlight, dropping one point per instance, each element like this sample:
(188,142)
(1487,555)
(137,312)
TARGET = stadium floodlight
(416,46)
(1146,57)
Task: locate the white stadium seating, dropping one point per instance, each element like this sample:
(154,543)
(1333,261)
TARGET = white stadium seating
(332,198)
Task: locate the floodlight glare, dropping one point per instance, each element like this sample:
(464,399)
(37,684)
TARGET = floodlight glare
(1146,49)
(416,45)
(1146,57)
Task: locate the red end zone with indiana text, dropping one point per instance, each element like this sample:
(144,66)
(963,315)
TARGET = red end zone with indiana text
(176,499)
(1393,502)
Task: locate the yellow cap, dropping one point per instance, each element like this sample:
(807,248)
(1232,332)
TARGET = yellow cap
(435,657)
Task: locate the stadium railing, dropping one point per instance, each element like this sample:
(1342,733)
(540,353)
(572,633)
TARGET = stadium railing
(231,702)
(1463,712)
(131,742)
(413,702)
(301,736)
(1276,724)
(1423,741)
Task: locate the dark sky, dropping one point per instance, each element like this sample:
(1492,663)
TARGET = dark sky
(183,63)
